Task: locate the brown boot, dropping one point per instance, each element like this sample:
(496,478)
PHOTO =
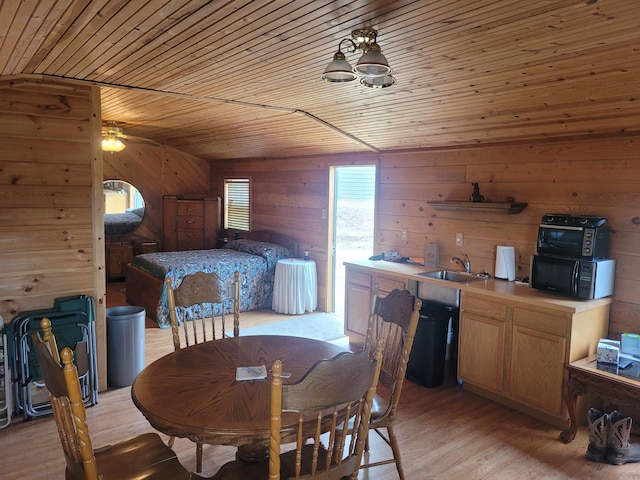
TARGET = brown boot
(619,450)
(598,425)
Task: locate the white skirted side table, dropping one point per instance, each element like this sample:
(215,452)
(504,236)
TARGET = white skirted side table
(295,287)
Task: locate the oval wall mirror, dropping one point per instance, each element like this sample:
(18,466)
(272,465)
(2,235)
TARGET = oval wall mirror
(123,207)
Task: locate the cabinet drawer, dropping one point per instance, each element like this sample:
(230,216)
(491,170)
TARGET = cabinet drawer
(358,278)
(195,244)
(189,235)
(190,208)
(190,240)
(387,284)
(541,321)
(188,221)
(146,246)
(487,308)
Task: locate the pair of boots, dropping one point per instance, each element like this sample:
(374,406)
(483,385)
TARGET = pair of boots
(609,438)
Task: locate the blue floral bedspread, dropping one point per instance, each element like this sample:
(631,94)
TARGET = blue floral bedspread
(256,262)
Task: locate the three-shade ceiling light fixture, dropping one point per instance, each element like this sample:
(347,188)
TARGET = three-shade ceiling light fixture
(372,69)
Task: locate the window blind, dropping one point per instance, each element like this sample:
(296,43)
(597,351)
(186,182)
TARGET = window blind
(236,203)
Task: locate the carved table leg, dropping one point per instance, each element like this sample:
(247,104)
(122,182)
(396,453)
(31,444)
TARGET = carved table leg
(573,389)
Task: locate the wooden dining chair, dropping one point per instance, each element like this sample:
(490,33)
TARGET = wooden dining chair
(322,402)
(395,317)
(193,303)
(144,456)
(196,300)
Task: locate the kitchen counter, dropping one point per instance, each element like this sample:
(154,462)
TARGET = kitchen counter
(492,287)
(513,340)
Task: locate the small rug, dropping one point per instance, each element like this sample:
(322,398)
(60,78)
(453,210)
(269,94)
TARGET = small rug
(320,326)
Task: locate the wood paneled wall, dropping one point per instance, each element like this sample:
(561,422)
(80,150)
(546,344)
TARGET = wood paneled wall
(49,211)
(49,161)
(156,170)
(587,176)
(51,199)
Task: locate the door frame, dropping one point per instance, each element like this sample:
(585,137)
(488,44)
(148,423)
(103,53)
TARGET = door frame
(331,223)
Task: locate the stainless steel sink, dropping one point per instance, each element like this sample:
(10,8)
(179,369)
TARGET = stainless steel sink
(451,276)
(449,295)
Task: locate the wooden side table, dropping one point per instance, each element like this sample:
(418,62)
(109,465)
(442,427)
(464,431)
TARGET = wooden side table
(619,387)
(295,289)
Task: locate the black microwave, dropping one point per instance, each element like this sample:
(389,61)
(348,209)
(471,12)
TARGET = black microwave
(583,237)
(569,277)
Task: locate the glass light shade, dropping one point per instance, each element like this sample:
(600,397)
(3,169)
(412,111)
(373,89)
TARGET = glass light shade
(373,62)
(377,81)
(339,70)
(112,144)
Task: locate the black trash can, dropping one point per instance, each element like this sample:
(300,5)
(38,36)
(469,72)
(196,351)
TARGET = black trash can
(427,359)
(125,344)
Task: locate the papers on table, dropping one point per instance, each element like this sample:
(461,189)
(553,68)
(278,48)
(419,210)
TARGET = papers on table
(251,373)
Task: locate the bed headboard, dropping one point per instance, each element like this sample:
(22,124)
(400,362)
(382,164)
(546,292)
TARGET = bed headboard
(275,237)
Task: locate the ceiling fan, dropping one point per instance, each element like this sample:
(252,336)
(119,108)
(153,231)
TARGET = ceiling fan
(111,135)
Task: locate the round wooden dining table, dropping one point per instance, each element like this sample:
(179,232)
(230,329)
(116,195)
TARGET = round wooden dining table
(193,392)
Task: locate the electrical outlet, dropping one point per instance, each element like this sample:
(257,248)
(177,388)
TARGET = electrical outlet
(459,239)
(404,234)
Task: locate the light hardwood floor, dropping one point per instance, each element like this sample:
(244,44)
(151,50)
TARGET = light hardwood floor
(445,432)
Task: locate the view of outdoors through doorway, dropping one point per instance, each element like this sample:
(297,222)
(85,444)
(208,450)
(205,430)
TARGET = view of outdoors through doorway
(354,207)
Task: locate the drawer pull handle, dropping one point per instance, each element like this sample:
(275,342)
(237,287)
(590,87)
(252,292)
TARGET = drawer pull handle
(190,221)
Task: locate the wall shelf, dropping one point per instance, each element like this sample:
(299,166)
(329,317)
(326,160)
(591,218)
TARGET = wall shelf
(491,207)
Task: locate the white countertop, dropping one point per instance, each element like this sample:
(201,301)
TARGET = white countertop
(499,289)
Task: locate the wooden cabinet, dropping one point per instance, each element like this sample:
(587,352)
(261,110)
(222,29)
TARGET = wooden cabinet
(190,223)
(538,352)
(482,342)
(118,254)
(515,353)
(357,304)
(359,285)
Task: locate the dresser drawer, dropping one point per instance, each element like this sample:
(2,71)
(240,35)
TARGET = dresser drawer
(189,243)
(188,222)
(186,207)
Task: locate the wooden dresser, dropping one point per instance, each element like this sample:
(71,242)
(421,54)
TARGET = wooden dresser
(190,223)
(120,250)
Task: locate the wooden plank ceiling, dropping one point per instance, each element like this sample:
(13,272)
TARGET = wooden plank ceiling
(236,79)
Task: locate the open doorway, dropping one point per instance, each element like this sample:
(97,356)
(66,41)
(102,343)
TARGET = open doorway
(353,220)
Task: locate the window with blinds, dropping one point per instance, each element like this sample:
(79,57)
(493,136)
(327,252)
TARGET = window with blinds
(236,203)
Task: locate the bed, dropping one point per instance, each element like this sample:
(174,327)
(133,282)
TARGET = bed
(254,256)
(122,223)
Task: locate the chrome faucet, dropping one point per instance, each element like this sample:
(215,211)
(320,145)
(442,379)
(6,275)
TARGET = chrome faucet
(466,265)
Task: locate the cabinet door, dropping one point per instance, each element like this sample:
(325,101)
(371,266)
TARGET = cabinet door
(481,351)
(211,222)
(357,304)
(538,352)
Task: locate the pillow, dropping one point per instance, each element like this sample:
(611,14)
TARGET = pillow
(138,211)
(271,252)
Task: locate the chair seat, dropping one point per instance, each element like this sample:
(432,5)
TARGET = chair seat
(142,457)
(379,407)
